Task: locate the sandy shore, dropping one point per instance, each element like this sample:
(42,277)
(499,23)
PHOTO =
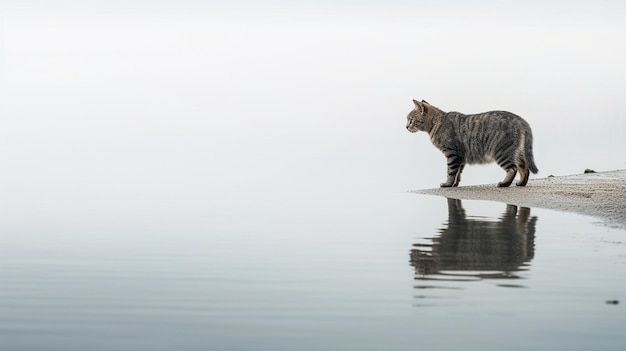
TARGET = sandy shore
(602,195)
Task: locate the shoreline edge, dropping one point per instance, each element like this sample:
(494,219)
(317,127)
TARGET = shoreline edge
(599,194)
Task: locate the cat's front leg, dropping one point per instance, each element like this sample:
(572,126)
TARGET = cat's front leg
(455,167)
(457,179)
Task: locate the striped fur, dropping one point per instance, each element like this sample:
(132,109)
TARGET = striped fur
(495,136)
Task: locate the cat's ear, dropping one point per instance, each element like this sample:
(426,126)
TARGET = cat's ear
(420,106)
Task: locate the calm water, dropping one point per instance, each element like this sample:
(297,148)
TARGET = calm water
(332,271)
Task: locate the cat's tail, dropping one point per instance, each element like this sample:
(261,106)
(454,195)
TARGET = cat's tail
(528,151)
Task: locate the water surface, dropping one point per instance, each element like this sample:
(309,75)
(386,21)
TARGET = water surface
(336,272)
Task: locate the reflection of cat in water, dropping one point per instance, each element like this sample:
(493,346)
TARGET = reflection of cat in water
(476,244)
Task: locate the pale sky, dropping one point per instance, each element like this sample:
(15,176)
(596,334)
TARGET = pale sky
(318,80)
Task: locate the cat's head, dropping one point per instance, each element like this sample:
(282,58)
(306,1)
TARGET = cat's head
(419,118)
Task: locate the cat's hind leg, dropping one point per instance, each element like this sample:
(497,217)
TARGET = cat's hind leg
(508,179)
(523,175)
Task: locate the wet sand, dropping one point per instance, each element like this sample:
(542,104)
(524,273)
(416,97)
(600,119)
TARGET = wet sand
(602,195)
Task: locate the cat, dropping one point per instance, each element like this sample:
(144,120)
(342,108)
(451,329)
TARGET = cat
(498,136)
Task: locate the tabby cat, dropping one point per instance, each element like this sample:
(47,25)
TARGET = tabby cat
(498,136)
